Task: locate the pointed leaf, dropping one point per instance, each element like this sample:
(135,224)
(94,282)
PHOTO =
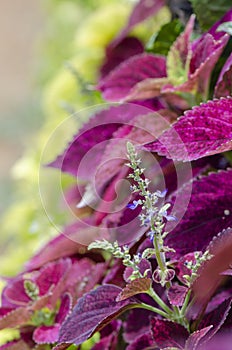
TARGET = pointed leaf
(194,339)
(140,285)
(204,130)
(209,212)
(223,87)
(92,312)
(216,318)
(15,318)
(168,334)
(119,83)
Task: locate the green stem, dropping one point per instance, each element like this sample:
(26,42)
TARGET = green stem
(152,308)
(159,301)
(186,303)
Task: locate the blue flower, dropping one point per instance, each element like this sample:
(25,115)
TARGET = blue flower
(133,205)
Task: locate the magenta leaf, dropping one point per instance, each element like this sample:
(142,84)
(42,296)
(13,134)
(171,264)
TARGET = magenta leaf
(209,212)
(46,334)
(202,131)
(142,10)
(65,308)
(15,318)
(223,87)
(92,312)
(168,334)
(119,83)
(89,143)
(176,294)
(137,323)
(115,55)
(15,345)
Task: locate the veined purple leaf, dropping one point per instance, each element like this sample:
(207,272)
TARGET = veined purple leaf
(202,131)
(115,55)
(176,294)
(142,10)
(209,212)
(168,334)
(223,87)
(137,286)
(90,142)
(119,83)
(195,338)
(142,342)
(92,312)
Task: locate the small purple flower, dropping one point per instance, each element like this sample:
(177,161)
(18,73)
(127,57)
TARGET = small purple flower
(161,194)
(134,204)
(150,235)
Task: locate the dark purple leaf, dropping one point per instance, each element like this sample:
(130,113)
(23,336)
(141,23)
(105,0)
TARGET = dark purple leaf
(215,318)
(176,294)
(168,334)
(142,342)
(194,339)
(65,308)
(115,55)
(223,87)
(142,10)
(137,323)
(92,312)
(209,212)
(90,142)
(119,83)
(211,276)
(202,131)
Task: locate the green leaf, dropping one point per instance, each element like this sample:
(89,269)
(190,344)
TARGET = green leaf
(161,42)
(209,11)
(225,27)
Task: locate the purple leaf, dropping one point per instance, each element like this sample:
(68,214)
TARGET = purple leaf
(46,334)
(202,131)
(168,334)
(209,212)
(194,339)
(119,83)
(115,55)
(176,294)
(89,143)
(15,345)
(142,10)
(138,286)
(92,312)
(15,318)
(137,323)
(211,275)
(223,87)
(215,318)
(142,342)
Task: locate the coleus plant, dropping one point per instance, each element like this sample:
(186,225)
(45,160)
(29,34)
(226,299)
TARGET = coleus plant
(159,273)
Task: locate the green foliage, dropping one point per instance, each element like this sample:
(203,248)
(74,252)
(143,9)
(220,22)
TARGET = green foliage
(161,42)
(209,11)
